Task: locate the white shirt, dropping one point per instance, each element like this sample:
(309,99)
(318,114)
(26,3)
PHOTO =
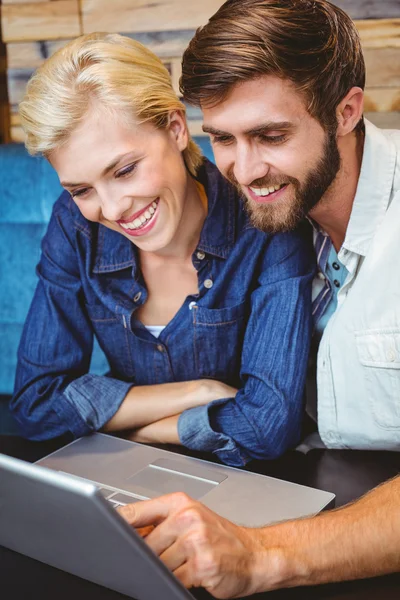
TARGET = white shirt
(358,364)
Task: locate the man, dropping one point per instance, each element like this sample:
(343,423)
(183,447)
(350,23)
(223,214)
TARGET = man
(281,86)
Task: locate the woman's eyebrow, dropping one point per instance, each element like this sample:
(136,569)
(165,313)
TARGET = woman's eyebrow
(106,170)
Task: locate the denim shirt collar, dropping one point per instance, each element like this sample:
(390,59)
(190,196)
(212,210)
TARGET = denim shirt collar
(218,233)
(115,252)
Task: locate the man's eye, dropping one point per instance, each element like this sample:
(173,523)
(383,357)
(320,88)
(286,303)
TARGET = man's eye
(272,139)
(126,171)
(79,193)
(222,139)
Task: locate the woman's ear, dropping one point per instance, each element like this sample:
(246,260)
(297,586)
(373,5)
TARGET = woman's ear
(177,126)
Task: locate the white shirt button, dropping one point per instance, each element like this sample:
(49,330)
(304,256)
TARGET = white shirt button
(200,255)
(137,297)
(208,283)
(320,275)
(391,355)
(192,305)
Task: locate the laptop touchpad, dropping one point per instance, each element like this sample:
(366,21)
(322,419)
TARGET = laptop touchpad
(165,476)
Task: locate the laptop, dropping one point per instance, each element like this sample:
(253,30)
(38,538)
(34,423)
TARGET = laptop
(61,510)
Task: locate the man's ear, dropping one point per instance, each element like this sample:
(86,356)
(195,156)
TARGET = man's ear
(178,129)
(349,111)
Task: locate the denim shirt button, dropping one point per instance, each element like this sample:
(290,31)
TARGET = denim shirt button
(160,348)
(208,283)
(200,255)
(137,297)
(192,305)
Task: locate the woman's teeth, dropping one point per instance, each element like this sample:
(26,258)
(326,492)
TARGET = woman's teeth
(143,219)
(267,190)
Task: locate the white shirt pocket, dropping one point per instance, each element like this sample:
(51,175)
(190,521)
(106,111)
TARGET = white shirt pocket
(379,354)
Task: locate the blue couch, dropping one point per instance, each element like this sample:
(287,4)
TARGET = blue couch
(28,188)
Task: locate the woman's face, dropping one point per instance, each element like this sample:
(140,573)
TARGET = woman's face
(130,179)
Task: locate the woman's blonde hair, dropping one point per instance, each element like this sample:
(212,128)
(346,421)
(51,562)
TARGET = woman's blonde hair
(120,73)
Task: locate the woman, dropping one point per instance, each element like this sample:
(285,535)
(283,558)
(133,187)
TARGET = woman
(205,321)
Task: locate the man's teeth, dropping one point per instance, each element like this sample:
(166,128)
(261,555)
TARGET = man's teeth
(144,217)
(267,190)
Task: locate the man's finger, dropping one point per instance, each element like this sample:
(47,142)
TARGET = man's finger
(141,514)
(174,556)
(163,536)
(153,512)
(144,531)
(183,574)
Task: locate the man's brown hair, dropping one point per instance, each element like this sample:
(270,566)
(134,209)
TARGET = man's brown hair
(312,43)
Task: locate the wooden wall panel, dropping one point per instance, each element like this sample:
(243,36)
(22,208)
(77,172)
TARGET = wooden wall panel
(385,120)
(382,67)
(23,1)
(369,9)
(382,100)
(145,15)
(51,20)
(35,29)
(22,55)
(30,55)
(382,33)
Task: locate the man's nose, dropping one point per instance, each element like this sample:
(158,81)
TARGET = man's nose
(249,165)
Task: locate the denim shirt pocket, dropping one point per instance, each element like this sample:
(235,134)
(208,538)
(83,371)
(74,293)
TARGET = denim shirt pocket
(379,353)
(114,340)
(218,341)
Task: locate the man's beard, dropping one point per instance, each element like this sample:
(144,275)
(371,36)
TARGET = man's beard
(285,215)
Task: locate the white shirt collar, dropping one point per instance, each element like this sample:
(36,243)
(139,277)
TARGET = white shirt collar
(373,190)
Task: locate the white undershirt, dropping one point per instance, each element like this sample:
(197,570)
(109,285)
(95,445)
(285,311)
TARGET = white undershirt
(155,329)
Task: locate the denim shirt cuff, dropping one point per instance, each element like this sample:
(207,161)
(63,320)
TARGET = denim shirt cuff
(93,400)
(196,433)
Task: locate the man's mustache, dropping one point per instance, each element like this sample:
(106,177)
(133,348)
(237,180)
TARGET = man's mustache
(263,182)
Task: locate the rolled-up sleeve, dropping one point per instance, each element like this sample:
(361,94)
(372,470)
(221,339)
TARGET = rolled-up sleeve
(264,419)
(54,393)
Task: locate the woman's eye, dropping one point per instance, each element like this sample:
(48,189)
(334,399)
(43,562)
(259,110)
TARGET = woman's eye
(126,171)
(79,193)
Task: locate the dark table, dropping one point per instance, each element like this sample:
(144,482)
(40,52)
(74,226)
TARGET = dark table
(348,474)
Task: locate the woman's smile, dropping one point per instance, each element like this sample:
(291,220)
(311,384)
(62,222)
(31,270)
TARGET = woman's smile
(142,221)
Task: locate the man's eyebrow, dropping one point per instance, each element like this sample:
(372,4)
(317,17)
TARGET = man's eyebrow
(263,128)
(213,131)
(106,170)
(270,126)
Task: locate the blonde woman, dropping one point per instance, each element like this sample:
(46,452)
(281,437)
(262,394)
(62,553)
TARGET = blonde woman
(205,321)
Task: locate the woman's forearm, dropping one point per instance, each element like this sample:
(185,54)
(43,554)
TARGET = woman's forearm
(164,431)
(150,403)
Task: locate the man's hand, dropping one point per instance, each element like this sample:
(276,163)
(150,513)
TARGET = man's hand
(201,548)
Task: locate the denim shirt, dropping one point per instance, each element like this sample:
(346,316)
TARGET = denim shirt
(249,326)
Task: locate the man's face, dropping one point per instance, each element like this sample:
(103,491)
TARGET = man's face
(268,145)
